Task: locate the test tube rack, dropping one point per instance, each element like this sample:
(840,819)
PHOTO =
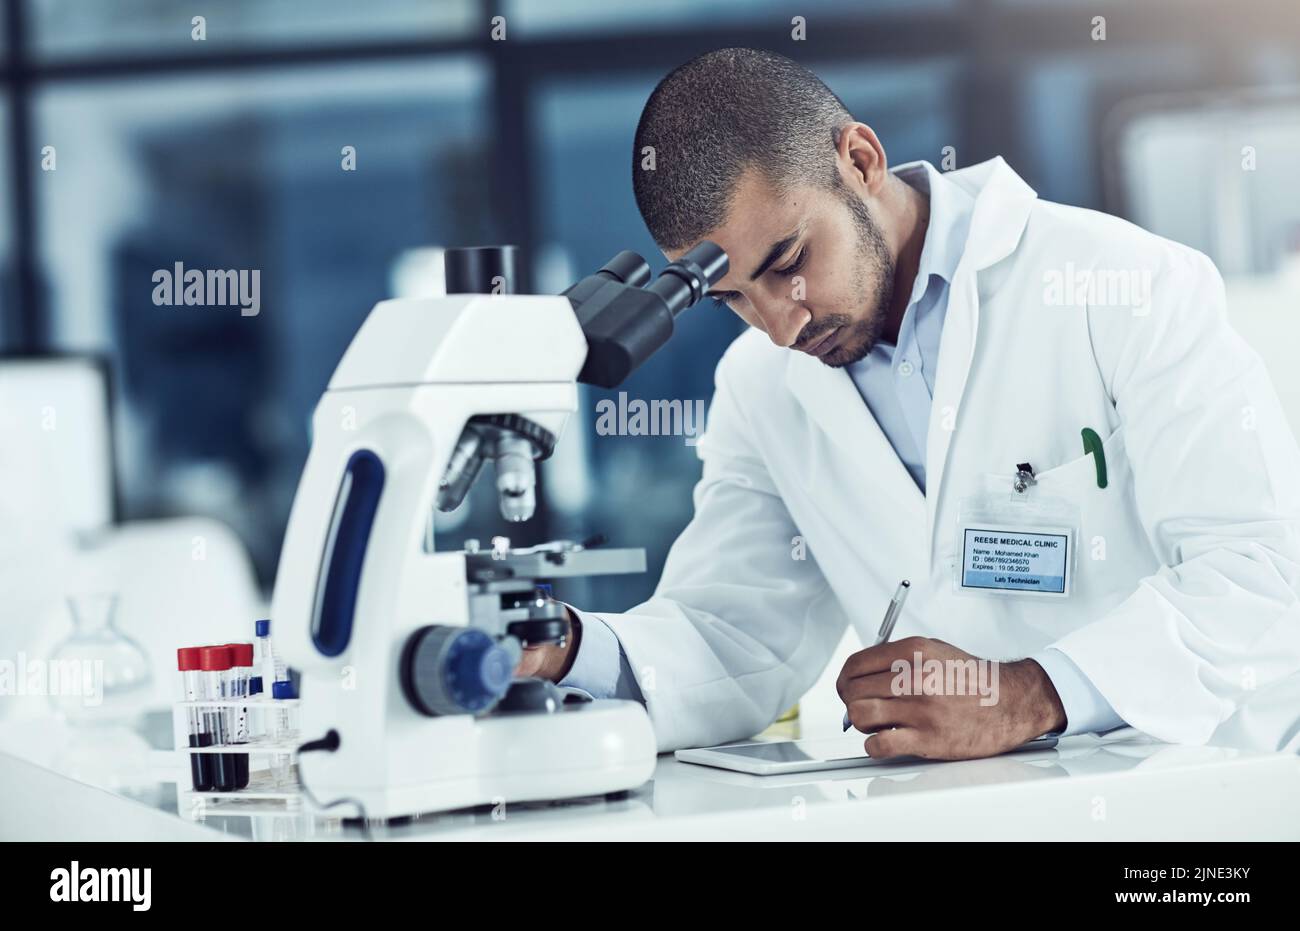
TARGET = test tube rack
(264,792)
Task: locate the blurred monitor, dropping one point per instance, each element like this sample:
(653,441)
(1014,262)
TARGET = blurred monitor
(58,450)
(1216,172)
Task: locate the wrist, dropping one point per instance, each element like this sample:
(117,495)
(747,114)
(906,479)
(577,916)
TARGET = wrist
(1045,713)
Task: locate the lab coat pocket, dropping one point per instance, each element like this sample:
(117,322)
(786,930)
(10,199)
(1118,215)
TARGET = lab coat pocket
(1079,473)
(1114,551)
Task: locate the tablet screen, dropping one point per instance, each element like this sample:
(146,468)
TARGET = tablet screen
(799,751)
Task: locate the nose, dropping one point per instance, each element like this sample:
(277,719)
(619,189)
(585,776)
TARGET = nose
(783,321)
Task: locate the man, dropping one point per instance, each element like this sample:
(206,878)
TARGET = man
(1035,413)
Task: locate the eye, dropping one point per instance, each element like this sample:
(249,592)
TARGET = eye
(724,297)
(794,266)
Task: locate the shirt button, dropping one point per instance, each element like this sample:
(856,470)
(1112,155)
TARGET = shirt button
(905,368)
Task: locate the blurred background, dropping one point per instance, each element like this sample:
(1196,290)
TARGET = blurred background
(128,145)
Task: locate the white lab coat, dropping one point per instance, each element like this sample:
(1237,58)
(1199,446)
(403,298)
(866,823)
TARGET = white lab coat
(1185,613)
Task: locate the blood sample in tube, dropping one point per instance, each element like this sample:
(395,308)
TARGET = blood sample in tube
(215,663)
(241,659)
(187,661)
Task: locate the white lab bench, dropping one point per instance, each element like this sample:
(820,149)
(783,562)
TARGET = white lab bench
(1120,787)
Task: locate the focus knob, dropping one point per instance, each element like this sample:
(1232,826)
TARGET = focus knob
(455,670)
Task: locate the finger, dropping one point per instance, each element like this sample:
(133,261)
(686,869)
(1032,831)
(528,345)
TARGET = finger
(871,714)
(896,742)
(876,685)
(880,657)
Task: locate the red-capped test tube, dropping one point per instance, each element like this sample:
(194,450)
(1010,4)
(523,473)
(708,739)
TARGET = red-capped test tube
(187,661)
(215,662)
(241,669)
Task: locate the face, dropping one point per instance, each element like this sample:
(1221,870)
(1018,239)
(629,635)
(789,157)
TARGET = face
(810,268)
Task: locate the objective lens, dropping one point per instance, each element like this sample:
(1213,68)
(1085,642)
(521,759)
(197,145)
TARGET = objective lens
(516,478)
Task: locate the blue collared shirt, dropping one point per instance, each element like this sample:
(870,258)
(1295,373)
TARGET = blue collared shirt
(601,668)
(897,384)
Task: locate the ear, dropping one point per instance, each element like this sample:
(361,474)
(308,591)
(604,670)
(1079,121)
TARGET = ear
(861,159)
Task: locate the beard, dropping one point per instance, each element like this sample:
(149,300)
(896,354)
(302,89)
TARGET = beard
(874,263)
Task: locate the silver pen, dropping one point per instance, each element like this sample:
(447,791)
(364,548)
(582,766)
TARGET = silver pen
(887,625)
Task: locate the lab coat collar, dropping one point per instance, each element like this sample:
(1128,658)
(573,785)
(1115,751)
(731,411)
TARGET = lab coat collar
(997,190)
(1002,205)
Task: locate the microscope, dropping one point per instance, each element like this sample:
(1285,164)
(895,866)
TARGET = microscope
(406,653)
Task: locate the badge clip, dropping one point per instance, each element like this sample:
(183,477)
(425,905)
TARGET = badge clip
(1024,477)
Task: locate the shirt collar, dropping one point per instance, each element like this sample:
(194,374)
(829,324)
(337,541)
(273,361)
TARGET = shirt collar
(945,236)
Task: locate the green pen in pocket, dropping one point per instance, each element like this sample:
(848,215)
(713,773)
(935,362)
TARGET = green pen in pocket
(1092,444)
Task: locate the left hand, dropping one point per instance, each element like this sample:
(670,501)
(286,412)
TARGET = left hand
(982,707)
(551,661)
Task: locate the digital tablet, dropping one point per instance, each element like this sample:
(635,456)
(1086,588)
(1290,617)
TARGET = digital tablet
(777,757)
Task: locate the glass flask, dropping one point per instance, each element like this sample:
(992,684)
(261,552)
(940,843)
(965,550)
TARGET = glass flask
(98,674)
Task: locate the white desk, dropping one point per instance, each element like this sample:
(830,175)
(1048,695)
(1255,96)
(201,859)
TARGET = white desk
(1122,787)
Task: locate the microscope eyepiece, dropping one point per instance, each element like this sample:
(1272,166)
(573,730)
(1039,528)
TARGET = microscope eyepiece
(624,321)
(685,281)
(627,267)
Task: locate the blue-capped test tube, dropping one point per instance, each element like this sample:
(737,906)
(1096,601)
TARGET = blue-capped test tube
(263,659)
(286,728)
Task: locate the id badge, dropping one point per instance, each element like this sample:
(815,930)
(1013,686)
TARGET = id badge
(1012,540)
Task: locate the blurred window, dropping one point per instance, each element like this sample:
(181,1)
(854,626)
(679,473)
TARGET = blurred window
(245,171)
(62,28)
(543,17)
(1216,174)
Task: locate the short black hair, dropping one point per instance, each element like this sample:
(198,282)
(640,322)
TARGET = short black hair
(714,117)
